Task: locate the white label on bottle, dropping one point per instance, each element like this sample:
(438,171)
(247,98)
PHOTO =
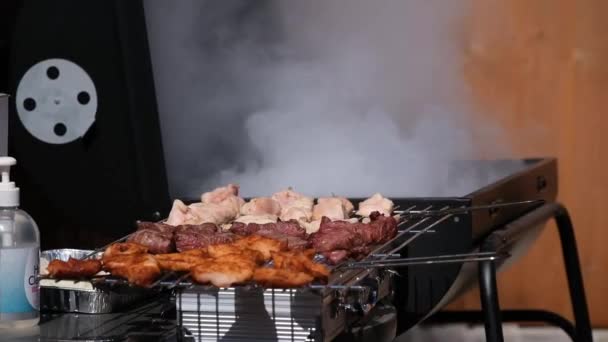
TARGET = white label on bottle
(19,290)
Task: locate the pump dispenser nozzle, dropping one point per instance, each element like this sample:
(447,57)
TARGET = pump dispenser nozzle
(9,193)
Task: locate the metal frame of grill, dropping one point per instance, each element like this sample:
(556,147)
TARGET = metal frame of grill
(431,261)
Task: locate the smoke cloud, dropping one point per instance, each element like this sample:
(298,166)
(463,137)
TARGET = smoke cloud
(348,97)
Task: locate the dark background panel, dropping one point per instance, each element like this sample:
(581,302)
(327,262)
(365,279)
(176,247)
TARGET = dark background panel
(89,191)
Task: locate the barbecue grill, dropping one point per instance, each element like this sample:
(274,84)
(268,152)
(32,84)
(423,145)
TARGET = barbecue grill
(444,246)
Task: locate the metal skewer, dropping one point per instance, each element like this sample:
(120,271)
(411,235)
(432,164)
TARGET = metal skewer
(455,211)
(441,259)
(103,248)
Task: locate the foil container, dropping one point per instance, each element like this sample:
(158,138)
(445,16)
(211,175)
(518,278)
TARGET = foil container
(81,296)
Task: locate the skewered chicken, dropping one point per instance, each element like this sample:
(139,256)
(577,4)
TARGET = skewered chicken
(139,269)
(261,206)
(376,203)
(220,251)
(296,213)
(300,261)
(330,207)
(124,248)
(294,205)
(213,213)
(183,261)
(231,269)
(259,219)
(73,268)
(282,278)
(311,227)
(218,195)
(261,244)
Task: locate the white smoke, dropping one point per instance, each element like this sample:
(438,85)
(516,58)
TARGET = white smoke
(348,97)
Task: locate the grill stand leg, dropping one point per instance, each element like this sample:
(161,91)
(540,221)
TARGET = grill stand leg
(581,330)
(489,301)
(574,275)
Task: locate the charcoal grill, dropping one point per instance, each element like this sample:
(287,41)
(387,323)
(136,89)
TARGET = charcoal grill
(409,279)
(343,309)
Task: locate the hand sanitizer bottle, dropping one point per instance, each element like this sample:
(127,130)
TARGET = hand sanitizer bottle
(19,257)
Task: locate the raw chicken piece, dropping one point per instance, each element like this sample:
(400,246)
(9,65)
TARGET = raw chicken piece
(179,214)
(261,206)
(220,194)
(296,213)
(259,219)
(212,213)
(289,198)
(348,205)
(330,207)
(198,213)
(311,227)
(234,202)
(375,203)
(294,205)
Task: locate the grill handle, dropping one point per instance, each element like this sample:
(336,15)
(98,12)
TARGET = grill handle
(432,260)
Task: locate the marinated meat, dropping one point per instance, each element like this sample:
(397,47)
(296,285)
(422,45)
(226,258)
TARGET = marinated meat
(290,228)
(73,268)
(301,261)
(334,235)
(139,269)
(336,257)
(124,248)
(231,269)
(335,238)
(282,278)
(157,241)
(183,261)
(156,226)
(189,237)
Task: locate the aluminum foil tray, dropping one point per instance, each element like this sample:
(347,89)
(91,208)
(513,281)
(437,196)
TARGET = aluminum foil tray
(84,296)
(246,314)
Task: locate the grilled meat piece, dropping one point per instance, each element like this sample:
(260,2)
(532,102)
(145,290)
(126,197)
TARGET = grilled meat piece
(261,244)
(220,251)
(337,256)
(156,226)
(73,268)
(290,228)
(157,241)
(183,261)
(199,236)
(292,242)
(123,248)
(138,269)
(335,238)
(282,278)
(334,235)
(300,261)
(230,269)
